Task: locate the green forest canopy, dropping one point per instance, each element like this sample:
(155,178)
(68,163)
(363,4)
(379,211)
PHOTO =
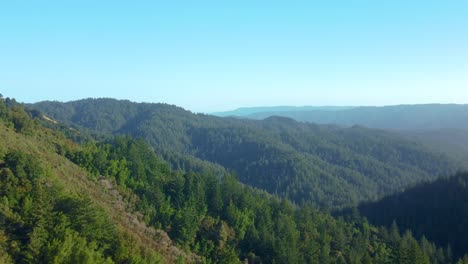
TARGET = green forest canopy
(213,216)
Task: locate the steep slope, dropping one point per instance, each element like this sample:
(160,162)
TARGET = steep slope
(52,210)
(327,165)
(437,210)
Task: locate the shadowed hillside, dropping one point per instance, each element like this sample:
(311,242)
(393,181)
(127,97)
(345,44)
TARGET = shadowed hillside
(437,210)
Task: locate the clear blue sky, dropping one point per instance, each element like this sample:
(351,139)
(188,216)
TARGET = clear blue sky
(218,55)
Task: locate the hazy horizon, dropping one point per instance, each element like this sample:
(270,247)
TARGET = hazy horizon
(216,56)
(239,107)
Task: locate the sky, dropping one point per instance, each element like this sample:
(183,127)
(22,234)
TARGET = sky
(218,55)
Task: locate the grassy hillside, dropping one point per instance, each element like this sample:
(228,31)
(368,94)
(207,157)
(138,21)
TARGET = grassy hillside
(327,165)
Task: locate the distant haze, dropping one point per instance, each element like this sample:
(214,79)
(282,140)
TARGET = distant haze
(219,55)
(247,111)
(427,116)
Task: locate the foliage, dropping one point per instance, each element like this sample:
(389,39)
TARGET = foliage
(437,210)
(326,165)
(41,227)
(207,212)
(226,222)
(40,221)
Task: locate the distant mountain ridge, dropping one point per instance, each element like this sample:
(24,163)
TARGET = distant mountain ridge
(400,117)
(247,111)
(327,165)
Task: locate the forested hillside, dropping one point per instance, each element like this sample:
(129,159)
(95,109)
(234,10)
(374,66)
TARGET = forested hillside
(451,142)
(117,207)
(53,211)
(438,210)
(441,127)
(327,165)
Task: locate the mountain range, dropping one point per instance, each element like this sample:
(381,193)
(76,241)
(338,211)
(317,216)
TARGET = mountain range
(327,165)
(442,127)
(396,117)
(79,195)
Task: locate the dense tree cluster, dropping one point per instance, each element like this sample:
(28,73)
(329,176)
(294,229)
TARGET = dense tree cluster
(14,116)
(225,222)
(326,165)
(437,210)
(39,223)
